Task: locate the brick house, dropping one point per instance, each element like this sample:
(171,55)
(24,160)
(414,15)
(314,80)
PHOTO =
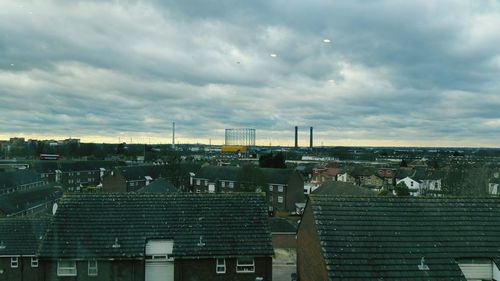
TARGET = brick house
(395,238)
(284,187)
(132,178)
(325,173)
(143,236)
(74,174)
(19,242)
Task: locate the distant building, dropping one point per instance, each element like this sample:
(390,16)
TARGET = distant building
(284,187)
(19,180)
(132,178)
(28,202)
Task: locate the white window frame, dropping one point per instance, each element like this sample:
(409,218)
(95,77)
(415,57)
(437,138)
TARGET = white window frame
(222,183)
(220,268)
(280,188)
(92,268)
(231,184)
(271,187)
(280,199)
(34,261)
(14,262)
(198,182)
(242,267)
(66,270)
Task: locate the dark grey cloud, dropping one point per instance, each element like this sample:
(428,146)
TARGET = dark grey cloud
(406,73)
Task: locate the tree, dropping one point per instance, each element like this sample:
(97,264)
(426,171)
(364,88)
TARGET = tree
(402,189)
(272,160)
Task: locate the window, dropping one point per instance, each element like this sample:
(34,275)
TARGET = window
(14,262)
(270,188)
(198,182)
(411,183)
(222,183)
(66,268)
(34,261)
(280,199)
(231,184)
(92,268)
(220,266)
(280,188)
(245,265)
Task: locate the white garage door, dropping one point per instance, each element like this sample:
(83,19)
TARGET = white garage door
(159,266)
(159,270)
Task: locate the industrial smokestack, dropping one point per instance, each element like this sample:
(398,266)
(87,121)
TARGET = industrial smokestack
(296,136)
(311,138)
(173,134)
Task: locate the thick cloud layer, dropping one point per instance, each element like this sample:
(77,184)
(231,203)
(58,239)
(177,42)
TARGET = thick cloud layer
(392,73)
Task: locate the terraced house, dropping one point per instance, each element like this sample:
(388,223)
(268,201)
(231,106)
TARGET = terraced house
(19,180)
(141,236)
(20,239)
(394,238)
(284,187)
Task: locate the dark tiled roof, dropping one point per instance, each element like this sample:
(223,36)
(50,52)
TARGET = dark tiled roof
(18,201)
(215,173)
(21,236)
(277,176)
(363,171)
(159,186)
(343,189)
(282,225)
(139,172)
(12,179)
(384,238)
(69,166)
(495,180)
(86,225)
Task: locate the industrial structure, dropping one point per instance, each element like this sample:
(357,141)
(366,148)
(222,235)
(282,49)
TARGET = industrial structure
(297,137)
(240,137)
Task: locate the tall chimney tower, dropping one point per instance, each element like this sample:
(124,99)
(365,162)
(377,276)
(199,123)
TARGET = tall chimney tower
(311,138)
(296,136)
(173,134)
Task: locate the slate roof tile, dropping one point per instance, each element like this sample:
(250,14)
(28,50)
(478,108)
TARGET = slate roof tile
(384,238)
(87,225)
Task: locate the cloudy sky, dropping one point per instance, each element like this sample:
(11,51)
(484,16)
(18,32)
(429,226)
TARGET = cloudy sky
(423,73)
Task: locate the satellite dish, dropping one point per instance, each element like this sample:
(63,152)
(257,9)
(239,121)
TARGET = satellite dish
(54,209)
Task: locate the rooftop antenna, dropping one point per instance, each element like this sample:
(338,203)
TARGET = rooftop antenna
(422,265)
(201,243)
(116,245)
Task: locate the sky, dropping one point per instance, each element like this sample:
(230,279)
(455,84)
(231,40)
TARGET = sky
(372,73)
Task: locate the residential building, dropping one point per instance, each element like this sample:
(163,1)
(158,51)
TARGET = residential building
(20,239)
(396,238)
(144,236)
(284,187)
(28,202)
(19,180)
(132,178)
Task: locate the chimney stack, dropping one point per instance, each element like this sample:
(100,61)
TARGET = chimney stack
(296,136)
(311,138)
(173,134)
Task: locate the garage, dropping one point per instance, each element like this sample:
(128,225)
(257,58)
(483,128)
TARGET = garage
(159,264)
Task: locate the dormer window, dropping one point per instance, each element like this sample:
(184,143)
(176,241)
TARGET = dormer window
(478,268)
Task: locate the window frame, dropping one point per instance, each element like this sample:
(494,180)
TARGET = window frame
(244,265)
(70,270)
(280,199)
(34,261)
(14,262)
(217,266)
(89,268)
(280,188)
